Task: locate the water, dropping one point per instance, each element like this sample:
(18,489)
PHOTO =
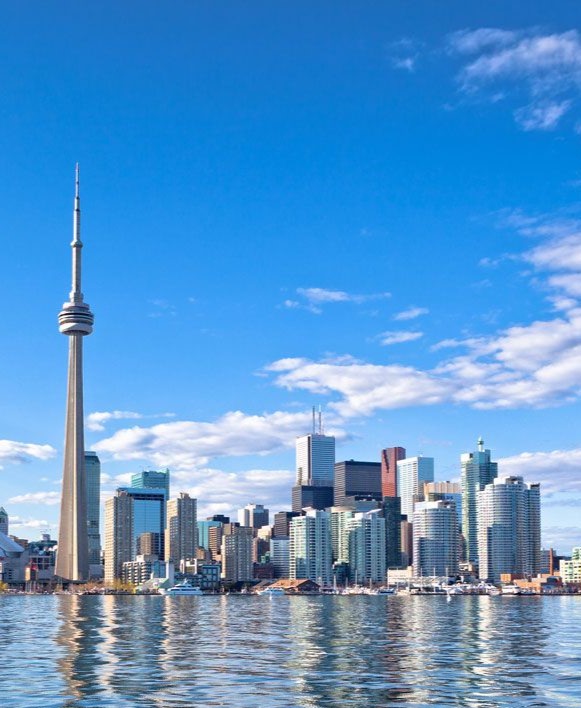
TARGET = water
(311,652)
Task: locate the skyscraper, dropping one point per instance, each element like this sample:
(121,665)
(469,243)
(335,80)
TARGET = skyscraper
(93,474)
(76,321)
(181,528)
(509,528)
(3,521)
(477,472)
(435,534)
(253,515)
(391,511)
(390,456)
(309,496)
(236,553)
(315,460)
(412,472)
(152,479)
(134,521)
(356,480)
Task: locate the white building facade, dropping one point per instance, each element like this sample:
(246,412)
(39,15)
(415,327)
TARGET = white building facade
(509,528)
(435,539)
(315,460)
(367,547)
(310,548)
(412,474)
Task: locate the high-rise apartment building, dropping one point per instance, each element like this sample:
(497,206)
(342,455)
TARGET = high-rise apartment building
(435,538)
(3,521)
(477,471)
(76,321)
(310,547)
(315,460)
(366,544)
(340,515)
(203,537)
(93,478)
(509,528)
(181,528)
(236,553)
(253,515)
(119,546)
(412,474)
(390,456)
(445,491)
(355,481)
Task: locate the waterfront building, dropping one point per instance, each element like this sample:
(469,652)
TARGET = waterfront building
(3,521)
(391,512)
(311,497)
(236,553)
(181,528)
(204,532)
(355,481)
(282,521)
(315,460)
(261,544)
(509,528)
(75,321)
(253,515)
(310,547)
(477,471)
(435,539)
(41,556)
(142,569)
(548,561)
(412,474)
(13,560)
(93,476)
(571,569)
(390,456)
(366,546)
(340,515)
(279,556)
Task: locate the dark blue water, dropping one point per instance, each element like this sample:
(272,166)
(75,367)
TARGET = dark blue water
(290,651)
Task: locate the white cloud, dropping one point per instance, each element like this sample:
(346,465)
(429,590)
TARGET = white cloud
(557,470)
(23,524)
(13,453)
(96,421)
(541,117)
(388,338)
(562,538)
(411,313)
(319,296)
(546,67)
(183,445)
(45,498)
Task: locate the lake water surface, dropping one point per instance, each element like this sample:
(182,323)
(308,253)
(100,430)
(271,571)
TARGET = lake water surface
(353,651)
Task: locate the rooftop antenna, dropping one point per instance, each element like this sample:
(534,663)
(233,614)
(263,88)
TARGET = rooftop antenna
(480,444)
(320,421)
(313,420)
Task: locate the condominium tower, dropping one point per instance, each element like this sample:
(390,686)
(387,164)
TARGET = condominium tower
(310,554)
(509,528)
(435,538)
(181,528)
(76,321)
(93,475)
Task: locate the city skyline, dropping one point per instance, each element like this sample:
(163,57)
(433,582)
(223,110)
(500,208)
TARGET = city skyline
(423,294)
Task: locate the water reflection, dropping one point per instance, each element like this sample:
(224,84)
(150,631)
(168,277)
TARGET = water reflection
(304,652)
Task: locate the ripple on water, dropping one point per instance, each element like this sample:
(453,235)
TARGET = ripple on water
(308,652)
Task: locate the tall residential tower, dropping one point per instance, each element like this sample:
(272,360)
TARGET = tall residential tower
(477,472)
(76,321)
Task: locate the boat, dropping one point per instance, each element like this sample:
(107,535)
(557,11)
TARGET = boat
(511,590)
(185,588)
(386,591)
(271,592)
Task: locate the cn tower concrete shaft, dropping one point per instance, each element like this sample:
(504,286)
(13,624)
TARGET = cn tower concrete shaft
(76,321)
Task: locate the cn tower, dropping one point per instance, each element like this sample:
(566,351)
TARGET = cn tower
(76,321)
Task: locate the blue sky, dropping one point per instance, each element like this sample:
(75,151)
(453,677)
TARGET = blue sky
(370,206)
